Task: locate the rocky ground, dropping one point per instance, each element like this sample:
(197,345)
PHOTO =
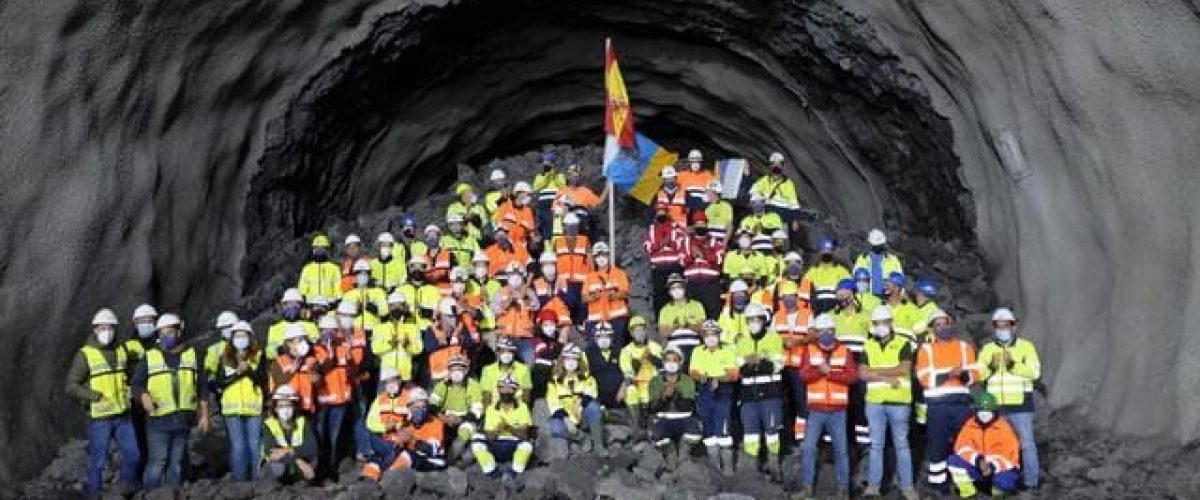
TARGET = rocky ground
(1078,462)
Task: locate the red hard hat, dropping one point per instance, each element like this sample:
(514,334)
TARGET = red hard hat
(547,315)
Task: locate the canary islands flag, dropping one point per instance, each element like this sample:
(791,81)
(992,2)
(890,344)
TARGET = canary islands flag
(632,162)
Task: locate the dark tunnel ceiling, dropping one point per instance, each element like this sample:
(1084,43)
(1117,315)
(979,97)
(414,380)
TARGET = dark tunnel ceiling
(431,87)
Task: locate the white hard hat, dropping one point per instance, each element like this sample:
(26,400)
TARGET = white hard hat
(738,286)
(385,238)
(479,257)
(417,394)
(793,257)
(755,310)
(242,326)
(522,187)
(327,322)
(166,320)
(448,306)
(571,219)
(418,258)
(458,274)
(779,234)
(881,313)
(105,317)
(352,239)
(776,157)
(226,319)
(599,247)
(454,218)
(824,322)
(318,301)
(433,228)
(547,258)
(498,175)
(295,331)
(362,265)
(694,155)
(668,172)
(756,196)
(292,295)
(386,374)
(397,297)
(715,186)
(144,311)
(285,393)
(938,314)
(348,308)
(876,238)
(1003,314)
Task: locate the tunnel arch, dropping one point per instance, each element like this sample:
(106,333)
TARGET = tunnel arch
(434,86)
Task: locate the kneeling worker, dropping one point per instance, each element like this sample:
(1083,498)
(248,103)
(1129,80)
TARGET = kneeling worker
(986,451)
(506,431)
(290,447)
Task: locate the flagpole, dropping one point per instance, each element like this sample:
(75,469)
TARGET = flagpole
(612,224)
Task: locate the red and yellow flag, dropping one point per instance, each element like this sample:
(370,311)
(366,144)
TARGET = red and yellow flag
(618,115)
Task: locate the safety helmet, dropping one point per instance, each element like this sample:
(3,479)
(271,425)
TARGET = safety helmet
(676,279)
(710,327)
(347,308)
(927,287)
(362,266)
(458,274)
(985,401)
(285,392)
(637,321)
(876,237)
(881,313)
(779,234)
(599,247)
(242,326)
(824,321)
(898,279)
(459,361)
(386,374)
(571,219)
(603,329)
(225,320)
(938,314)
(461,188)
(775,157)
(433,228)
(522,187)
(1003,314)
(454,218)
(793,257)
(448,307)
(168,319)
(694,155)
(668,172)
(847,284)
(498,175)
(104,317)
(505,344)
(827,245)
(574,169)
(292,295)
(417,395)
(861,274)
(320,241)
(295,331)
(547,258)
(352,239)
(571,351)
(672,349)
(397,297)
(144,311)
(327,322)
(738,286)
(755,310)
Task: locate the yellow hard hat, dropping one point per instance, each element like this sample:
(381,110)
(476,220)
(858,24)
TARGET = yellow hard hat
(320,240)
(462,188)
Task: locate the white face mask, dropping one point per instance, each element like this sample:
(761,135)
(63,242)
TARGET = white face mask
(241,343)
(601,261)
(985,416)
(285,413)
(549,330)
(104,335)
(506,358)
(603,342)
(346,322)
(671,367)
(481,272)
(549,271)
(522,200)
(712,341)
(755,325)
(362,279)
(385,252)
(881,331)
(515,280)
(677,293)
(457,376)
(743,242)
(571,364)
(300,349)
(458,287)
(695,166)
(392,388)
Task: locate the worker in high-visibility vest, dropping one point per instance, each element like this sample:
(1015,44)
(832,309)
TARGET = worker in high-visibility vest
(986,452)
(98,378)
(240,373)
(760,363)
(507,429)
(546,185)
(779,192)
(1009,367)
(289,445)
(828,370)
(715,370)
(946,368)
(319,276)
(878,261)
(887,371)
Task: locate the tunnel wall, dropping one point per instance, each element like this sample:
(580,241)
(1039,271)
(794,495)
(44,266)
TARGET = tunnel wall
(130,133)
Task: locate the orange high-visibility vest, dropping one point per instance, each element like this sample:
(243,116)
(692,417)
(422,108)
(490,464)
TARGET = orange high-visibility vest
(605,309)
(513,321)
(519,222)
(794,328)
(341,368)
(675,203)
(997,443)
(695,184)
(498,259)
(301,381)
(940,357)
(573,264)
(823,391)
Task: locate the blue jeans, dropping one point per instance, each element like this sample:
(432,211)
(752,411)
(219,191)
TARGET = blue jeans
(574,300)
(329,429)
(592,414)
(164,457)
(100,433)
(835,424)
(1022,423)
(245,438)
(879,419)
(362,438)
(714,409)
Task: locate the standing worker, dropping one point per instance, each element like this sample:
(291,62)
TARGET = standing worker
(546,185)
(887,371)
(241,375)
(695,180)
(319,277)
(879,262)
(1009,366)
(97,377)
(779,192)
(946,368)
(719,214)
(760,361)
(606,293)
(173,389)
(714,368)
(825,276)
(666,245)
(828,370)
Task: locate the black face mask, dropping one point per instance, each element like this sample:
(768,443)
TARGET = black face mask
(547,168)
(417,276)
(700,232)
(879,249)
(661,218)
(776,170)
(508,398)
(398,313)
(320,255)
(826,258)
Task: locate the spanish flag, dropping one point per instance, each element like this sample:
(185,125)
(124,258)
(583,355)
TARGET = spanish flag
(632,162)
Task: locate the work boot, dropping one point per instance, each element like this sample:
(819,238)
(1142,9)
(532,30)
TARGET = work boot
(714,457)
(597,434)
(910,494)
(727,462)
(804,493)
(455,453)
(635,423)
(871,491)
(774,469)
(670,457)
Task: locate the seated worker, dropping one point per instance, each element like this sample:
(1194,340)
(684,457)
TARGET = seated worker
(986,451)
(672,399)
(640,361)
(506,432)
(289,444)
(604,363)
(506,365)
(412,441)
(459,401)
(572,400)
(554,330)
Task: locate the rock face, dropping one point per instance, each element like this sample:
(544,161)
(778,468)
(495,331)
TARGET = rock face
(176,153)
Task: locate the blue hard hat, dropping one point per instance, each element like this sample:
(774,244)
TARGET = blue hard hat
(897,279)
(827,244)
(549,157)
(861,274)
(927,287)
(847,284)
(409,220)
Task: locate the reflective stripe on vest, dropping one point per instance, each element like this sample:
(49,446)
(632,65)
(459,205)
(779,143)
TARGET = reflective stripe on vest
(244,397)
(879,356)
(297,438)
(108,380)
(822,391)
(173,390)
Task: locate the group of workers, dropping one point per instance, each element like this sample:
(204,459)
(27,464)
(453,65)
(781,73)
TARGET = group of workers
(508,325)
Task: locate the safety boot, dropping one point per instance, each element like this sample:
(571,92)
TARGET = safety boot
(727,461)
(597,435)
(714,457)
(670,456)
(774,469)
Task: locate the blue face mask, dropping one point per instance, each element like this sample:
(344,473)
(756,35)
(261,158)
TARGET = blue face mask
(571,230)
(827,338)
(145,330)
(418,415)
(291,313)
(790,302)
(1004,336)
(740,301)
(945,332)
(169,342)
